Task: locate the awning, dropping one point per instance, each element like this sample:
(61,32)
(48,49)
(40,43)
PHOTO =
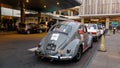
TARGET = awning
(43,5)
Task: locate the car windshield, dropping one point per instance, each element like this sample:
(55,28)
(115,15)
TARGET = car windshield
(21,25)
(62,28)
(100,26)
(92,26)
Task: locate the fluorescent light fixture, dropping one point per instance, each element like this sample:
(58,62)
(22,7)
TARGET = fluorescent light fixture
(27,1)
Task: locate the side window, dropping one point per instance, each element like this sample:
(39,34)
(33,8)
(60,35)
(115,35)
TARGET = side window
(81,28)
(85,29)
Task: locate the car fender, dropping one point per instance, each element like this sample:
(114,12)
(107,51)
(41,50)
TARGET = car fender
(89,40)
(73,47)
(42,43)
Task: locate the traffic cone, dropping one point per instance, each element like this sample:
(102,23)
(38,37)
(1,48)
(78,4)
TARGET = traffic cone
(102,44)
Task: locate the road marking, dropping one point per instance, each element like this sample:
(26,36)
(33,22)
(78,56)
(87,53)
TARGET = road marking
(33,49)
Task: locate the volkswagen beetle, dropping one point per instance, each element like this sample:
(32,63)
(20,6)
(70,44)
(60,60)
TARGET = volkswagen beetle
(66,40)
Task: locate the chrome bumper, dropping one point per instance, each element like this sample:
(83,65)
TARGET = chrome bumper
(61,57)
(54,57)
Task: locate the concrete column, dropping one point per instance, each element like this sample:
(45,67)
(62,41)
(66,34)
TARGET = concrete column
(39,15)
(80,10)
(110,7)
(96,6)
(82,20)
(83,7)
(59,12)
(22,5)
(69,14)
(107,23)
(54,12)
(0,13)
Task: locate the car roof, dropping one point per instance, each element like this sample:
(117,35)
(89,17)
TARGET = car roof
(71,23)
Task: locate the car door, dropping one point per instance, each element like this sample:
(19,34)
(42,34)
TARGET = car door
(85,36)
(98,30)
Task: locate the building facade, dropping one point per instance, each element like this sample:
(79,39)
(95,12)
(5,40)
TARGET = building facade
(93,7)
(105,11)
(102,11)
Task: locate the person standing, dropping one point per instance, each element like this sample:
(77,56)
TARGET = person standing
(114,29)
(50,23)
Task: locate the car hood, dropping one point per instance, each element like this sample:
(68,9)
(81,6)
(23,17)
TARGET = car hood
(55,41)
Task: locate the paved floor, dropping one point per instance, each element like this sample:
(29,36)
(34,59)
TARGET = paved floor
(111,58)
(15,52)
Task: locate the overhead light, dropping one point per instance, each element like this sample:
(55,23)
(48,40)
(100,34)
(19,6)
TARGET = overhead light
(27,1)
(58,3)
(44,6)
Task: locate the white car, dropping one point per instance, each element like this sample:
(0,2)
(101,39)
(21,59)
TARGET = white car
(101,28)
(94,31)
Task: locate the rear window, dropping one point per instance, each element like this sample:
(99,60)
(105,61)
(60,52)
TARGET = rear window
(62,28)
(21,25)
(92,26)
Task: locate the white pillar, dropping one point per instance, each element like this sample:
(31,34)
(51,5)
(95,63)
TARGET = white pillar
(83,7)
(107,23)
(82,20)
(59,12)
(110,8)
(69,12)
(54,12)
(96,6)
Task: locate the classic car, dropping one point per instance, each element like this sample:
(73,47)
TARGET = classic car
(101,27)
(66,40)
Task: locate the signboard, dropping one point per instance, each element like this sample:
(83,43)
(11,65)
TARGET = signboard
(94,19)
(10,12)
(114,24)
(16,13)
(6,11)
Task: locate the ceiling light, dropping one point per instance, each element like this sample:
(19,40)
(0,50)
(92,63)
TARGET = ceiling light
(58,3)
(27,1)
(44,6)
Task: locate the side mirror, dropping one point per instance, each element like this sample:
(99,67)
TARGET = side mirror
(80,32)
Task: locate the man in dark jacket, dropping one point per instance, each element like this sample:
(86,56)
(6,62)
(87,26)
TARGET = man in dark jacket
(50,23)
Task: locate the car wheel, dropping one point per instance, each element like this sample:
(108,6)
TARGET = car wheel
(28,31)
(78,55)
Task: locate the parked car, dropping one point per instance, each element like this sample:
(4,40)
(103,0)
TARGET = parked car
(28,28)
(65,41)
(43,27)
(94,31)
(101,27)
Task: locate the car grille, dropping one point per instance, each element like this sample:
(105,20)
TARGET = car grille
(51,47)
